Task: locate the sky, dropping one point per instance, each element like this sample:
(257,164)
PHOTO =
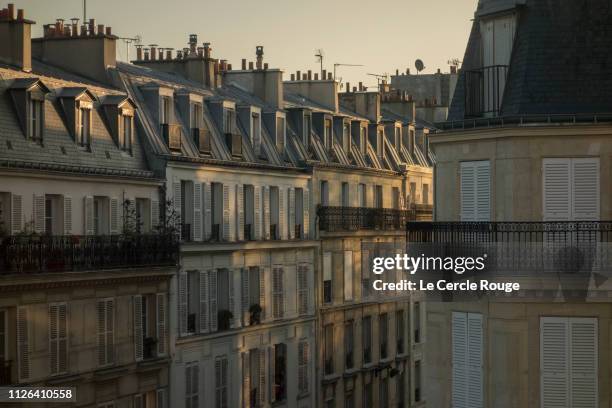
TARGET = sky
(381,35)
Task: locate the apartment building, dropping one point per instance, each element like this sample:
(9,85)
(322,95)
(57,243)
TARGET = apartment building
(524,160)
(85,268)
(369,346)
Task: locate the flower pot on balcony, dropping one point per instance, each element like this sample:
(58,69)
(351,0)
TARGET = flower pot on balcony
(224,318)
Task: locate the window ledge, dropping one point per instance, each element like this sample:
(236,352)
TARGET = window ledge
(303,395)
(330,378)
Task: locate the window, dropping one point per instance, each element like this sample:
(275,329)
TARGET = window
(302,288)
(221,397)
(327,277)
(125,142)
(383,333)
(254,295)
(279,385)
(400,389)
(35,117)
(348,275)
(362,193)
(324,193)
(380,135)
(256,132)
(195,119)
(366,271)
(165,110)
(475,191)
(399,331)
(299,213)
(328,352)
(417,322)
(395,198)
(194,286)
(229,121)
(349,398)
(467,338)
(101,215)
(378,196)
(425,193)
(328,135)
(368,397)
(307,130)
(417,383)
(224,301)
(3,337)
(349,344)
(346,137)
(274,213)
(398,138)
(149,325)
(366,336)
(84,127)
(412,193)
(58,338)
(106,328)
(363,138)
(143,215)
(345,195)
(253,366)
(280,135)
(192,381)
(217,210)
(278,295)
(51,214)
(249,212)
(303,358)
(569,361)
(383,393)
(48,215)
(571,189)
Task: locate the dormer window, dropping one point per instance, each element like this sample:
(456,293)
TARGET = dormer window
(398,138)
(84,124)
(363,137)
(28,95)
(125,141)
(327,134)
(346,137)
(165,110)
(306,130)
(256,132)
(280,134)
(77,104)
(229,121)
(119,116)
(195,117)
(379,142)
(411,141)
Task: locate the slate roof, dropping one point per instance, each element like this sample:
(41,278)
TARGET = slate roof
(561,61)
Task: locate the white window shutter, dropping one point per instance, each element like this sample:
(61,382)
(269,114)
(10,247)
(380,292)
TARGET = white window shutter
(585,189)
(240,212)
(583,362)
(207,210)
(23,342)
(88,206)
(302,289)
(348,275)
(212,299)
(468,192)
(262,377)
(306,226)
(232,302)
(197,212)
(277,292)
(291,213)
(67,215)
(474,360)
(303,361)
(282,213)
(106,326)
(460,388)
(58,338)
(554,362)
(246,380)
(39,213)
(154,213)
(161,324)
(114,215)
(182,303)
(226,213)
(263,274)
(257,198)
(483,191)
(204,292)
(556,189)
(177,202)
(138,329)
(244,291)
(16,213)
(265,191)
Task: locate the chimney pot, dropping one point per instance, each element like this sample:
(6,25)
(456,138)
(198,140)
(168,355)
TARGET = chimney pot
(316,76)
(83,29)
(185,52)
(439,72)
(109,31)
(229,67)
(20,15)
(244,66)
(304,76)
(201,51)
(323,75)
(146,54)
(396,72)
(207,50)
(354,89)
(360,86)
(293,77)
(309,75)
(193,41)
(259,54)
(92,27)
(348,87)
(251,65)
(11,11)
(138,52)
(329,76)
(100,29)
(265,65)
(179,54)
(298,75)
(169,53)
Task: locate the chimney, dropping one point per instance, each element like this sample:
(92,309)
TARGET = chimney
(361,86)
(251,65)
(348,87)
(304,76)
(329,76)
(229,67)
(92,26)
(316,76)
(298,75)
(169,53)
(309,75)
(323,75)
(193,43)
(207,50)
(15,47)
(138,52)
(153,48)
(453,69)
(179,54)
(259,53)
(146,54)
(201,52)
(244,64)
(75,26)
(293,77)
(265,65)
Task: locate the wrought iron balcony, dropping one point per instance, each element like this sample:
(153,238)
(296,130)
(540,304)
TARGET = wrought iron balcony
(484,90)
(37,254)
(333,219)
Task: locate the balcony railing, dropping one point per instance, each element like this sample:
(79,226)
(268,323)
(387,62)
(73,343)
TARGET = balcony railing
(33,254)
(5,372)
(333,219)
(186,232)
(484,90)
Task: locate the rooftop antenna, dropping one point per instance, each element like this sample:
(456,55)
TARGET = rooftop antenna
(419,65)
(127,40)
(336,65)
(84,10)
(319,53)
(380,77)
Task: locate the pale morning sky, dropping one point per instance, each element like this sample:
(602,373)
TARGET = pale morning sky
(382,35)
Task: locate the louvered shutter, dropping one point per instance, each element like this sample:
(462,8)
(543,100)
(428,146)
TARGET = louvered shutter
(460,388)
(58,338)
(226,213)
(246,380)
(16,213)
(303,359)
(188,385)
(204,292)
(278,296)
(291,213)
(207,210)
(39,213)
(231,298)
(348,275)
(483,191)
(154,214)
(197,211)
(177,202)
(162,398)
(468,192)
(302,285)
(240,211)
(282,213)
(557,189)
(138,329)
(583,362)
(263,273)
(327,266)
(212,299)
(257,206)
(195,384)
(265,191)
(554,362)
(161,324)
(114,215)
(244,298)
(182,303)
(474,360)
(138,401)
(272,373)
(262,377)
(585,189)
(88,207)
(306,226)
(67,215)
(23,343)
(106,325)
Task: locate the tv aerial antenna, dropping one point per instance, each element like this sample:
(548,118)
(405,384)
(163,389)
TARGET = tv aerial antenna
(320,54)
(419,65)
(129,40)
(380,78)
(336,65)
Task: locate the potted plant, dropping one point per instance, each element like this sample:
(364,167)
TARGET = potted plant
(224,318)
(255,314)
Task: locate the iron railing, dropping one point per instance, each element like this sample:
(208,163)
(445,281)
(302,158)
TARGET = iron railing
(484,90)
(36,253)
(333,219)
(5,372)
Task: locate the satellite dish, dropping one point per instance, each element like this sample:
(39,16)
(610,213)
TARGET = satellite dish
(419,65)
